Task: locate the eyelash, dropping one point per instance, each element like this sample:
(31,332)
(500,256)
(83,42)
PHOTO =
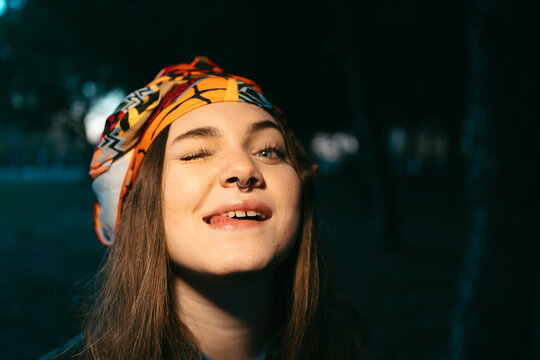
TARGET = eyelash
(196,155)
(201,153)
(276,149)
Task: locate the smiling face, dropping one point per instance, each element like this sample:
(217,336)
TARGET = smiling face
(213,225)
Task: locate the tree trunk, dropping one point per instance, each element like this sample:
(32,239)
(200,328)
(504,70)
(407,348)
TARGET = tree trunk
(374,164)
(493,318)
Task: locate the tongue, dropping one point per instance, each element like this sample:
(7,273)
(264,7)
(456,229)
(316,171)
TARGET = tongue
(219,219)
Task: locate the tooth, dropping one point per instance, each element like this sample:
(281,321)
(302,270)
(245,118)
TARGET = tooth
(240,213)
(251,213)
(231,214)
(224,214)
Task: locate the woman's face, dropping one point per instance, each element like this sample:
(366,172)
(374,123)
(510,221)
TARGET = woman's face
(212,226)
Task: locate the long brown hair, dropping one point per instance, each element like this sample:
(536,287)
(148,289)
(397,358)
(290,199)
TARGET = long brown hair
(133,315)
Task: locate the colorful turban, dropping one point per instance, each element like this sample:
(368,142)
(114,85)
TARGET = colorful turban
(143,114)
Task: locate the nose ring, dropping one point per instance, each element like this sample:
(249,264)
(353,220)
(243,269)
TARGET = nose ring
(241,186)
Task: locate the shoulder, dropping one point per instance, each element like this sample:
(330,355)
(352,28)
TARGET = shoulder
(70,350)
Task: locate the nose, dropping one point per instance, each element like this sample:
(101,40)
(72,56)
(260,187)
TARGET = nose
(241,171)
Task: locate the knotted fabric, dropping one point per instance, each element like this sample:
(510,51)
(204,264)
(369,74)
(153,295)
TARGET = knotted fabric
(143,114)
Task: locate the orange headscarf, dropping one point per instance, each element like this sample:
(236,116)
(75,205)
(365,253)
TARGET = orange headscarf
(143,114)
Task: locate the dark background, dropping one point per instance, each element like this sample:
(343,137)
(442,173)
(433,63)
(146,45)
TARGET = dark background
(433,223)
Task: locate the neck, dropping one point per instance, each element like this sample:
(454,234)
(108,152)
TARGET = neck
(229,317)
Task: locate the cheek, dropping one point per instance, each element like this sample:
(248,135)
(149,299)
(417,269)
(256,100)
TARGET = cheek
(175,184)
(182,191)
(181,235)
(180,198)
(189,243)
(289,196)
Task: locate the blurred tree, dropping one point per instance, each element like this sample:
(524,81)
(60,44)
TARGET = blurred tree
(404,66)
(380,196)
(493,318)
(50,49)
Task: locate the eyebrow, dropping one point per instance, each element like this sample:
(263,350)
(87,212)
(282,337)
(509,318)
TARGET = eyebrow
(213,132)
(264,124)
(202,132)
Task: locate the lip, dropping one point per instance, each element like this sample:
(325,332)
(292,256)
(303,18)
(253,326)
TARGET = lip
(233,205)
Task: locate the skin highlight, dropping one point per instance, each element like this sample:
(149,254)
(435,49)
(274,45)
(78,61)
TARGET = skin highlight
(223,284)
(201,173)
(136,313)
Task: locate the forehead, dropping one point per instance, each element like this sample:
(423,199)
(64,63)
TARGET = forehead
(229,116)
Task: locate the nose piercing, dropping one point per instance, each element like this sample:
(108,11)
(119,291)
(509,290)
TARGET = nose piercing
(241,186)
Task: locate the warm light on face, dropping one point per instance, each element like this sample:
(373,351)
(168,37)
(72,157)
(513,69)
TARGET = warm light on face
(212,226)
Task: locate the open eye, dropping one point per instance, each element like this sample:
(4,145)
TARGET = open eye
(270,152)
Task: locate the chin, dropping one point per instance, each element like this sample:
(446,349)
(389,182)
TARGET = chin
(243,263)
(232,259)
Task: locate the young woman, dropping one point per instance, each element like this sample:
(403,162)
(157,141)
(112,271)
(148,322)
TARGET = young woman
(206,199)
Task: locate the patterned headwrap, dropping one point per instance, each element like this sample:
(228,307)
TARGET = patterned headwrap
(143,114)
